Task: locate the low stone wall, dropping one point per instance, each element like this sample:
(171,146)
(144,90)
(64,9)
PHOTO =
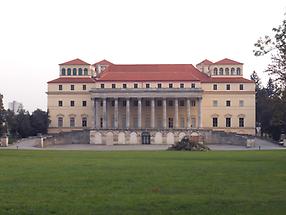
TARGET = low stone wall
(75,137)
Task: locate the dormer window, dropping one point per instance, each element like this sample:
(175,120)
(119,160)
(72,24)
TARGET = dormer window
(80,71)
(85,71)
(232,71)
(69,71)
(220,71)
(63,71)
(238,71)
(226,71)
(193,85)
(74,71)
(215,71)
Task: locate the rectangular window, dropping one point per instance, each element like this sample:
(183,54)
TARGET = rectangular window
(241,87)
(228,87)
(147,85)
(113,85)
(60,87)
(101,103)
(159,103)
(84,122)
(170,85)
(215,121)
(124,86)
(84,103)
(241,122)
(72,87)
(135,85)
(182,85)
(60,103)
(112,103)
(215,103)
(135,103)
(171,123)
(102,86)
(193,103)
(215,87)
(182,103)
(241,103)
(228,122)
(170,103)
(124,103)
(101,122)
(227,103)
(84,87)
(147,103)
(193,122)
(72,122)
(72,103)
(193,85)
(159,85)
(60,122)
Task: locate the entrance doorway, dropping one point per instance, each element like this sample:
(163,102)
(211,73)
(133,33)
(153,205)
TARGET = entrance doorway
(146,139)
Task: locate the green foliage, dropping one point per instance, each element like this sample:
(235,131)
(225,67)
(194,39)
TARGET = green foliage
(2,114)
(166,182)
(39,122)
(276,46)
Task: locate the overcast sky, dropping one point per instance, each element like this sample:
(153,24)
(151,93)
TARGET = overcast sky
(37,35)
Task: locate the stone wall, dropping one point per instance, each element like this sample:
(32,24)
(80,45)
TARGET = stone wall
(75,137)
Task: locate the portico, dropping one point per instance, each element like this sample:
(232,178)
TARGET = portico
(147,108)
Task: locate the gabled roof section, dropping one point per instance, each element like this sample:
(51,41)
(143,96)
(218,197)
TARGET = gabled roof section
(227,61)
(103,62)
(206,62)
(72,80)
(76,61)
(152,72)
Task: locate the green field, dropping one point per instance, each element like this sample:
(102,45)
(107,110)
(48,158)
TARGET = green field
(88,182)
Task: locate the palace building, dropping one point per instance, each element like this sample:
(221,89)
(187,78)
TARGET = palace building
(150,103)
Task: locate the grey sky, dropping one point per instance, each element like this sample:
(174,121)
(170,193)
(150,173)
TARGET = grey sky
(38,35)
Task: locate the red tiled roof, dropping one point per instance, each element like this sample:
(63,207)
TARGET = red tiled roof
(152,72)
(206,62)
(72,80)
(103,62)
(226,61)
(76,61)
(227,80)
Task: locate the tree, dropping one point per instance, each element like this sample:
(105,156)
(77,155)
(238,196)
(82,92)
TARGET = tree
(2,116)
(24,128)
(39,122)
(276,46)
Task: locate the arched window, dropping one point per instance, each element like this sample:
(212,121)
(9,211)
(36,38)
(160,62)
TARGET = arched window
(232,71)
(238,71)
(80,71)
(74,71)
(63,71)
(215,71)
(85,71)
(69,71)
(60,122)
(72,122)
(220,71)
(226,71)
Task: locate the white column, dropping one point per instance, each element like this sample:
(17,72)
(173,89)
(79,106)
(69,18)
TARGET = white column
(116,113)
(97,114)
(127,113)
(199,113)
(164,113)
(139,112)
(104,113)
(188,113)
(152,113)
(176,113)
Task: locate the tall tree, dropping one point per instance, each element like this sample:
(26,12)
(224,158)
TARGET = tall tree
(2,114)
(39,122)
(276,46)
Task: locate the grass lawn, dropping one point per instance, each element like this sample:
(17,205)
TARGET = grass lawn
(88,182)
